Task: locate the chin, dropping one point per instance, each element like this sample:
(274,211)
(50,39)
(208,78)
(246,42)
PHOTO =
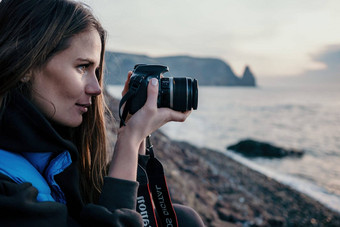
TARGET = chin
(73,123)
(76,124)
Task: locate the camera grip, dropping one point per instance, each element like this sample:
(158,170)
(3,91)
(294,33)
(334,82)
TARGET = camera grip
(138,100)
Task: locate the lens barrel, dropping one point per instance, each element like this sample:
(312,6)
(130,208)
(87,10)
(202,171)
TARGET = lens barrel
(178,93)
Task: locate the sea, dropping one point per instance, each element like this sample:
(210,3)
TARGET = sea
(299,116)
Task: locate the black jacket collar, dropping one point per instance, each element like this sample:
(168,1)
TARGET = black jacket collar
(23,128)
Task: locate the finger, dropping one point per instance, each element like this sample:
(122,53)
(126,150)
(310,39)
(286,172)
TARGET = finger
(179,116)
(175,115)
(152,93)
(126,85)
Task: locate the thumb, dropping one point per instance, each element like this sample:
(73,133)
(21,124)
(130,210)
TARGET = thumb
(152,93)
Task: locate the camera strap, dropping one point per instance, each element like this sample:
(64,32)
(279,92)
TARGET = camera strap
(144,201)
(135,84)
(153,179)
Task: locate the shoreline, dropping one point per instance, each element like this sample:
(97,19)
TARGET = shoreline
(330,200)
(224,191)
(227,193)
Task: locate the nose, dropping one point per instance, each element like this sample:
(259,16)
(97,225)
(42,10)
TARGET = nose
(92,87)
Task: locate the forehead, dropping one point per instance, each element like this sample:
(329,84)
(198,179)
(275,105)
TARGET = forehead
(85,45)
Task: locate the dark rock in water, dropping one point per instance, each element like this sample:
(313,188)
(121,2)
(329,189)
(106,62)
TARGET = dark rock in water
(252,148)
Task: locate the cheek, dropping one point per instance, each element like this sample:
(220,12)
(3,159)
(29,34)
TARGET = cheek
(65,82)
(58,86)
(71,88)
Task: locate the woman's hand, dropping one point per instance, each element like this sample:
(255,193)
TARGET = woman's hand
(166,113)
(131,137)
(149,118)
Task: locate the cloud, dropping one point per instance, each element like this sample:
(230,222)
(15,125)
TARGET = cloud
(326,68)
(329,57)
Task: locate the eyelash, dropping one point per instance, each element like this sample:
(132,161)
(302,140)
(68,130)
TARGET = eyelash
(83,67)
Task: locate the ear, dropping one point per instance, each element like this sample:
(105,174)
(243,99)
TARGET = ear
(27,77)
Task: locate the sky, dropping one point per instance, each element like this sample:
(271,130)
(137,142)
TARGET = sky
(273,37)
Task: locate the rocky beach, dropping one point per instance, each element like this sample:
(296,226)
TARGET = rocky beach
(227,193)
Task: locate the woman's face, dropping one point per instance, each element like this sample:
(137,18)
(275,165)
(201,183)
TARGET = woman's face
(62,88)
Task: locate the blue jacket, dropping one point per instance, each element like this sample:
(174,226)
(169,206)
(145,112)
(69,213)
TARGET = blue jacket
(36,169)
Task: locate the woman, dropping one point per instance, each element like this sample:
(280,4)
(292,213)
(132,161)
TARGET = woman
(52,132)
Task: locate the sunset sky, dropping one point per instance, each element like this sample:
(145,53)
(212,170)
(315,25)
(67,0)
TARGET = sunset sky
(276,38)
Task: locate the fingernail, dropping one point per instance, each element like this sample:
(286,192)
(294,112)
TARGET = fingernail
(154,81)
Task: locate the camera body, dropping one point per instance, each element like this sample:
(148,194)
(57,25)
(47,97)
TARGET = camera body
(177,93)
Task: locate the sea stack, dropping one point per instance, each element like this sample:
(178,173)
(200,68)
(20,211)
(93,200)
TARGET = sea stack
(248,78)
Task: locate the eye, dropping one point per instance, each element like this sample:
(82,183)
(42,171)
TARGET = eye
(82,68)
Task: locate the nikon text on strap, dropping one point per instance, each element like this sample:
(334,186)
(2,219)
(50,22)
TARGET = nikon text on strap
(155,180)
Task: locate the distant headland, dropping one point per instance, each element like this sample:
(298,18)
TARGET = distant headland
(208,71)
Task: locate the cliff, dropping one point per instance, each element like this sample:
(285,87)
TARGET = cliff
(208,71)
(227,193)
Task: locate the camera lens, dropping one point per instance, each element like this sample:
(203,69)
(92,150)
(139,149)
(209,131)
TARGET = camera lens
(178,93)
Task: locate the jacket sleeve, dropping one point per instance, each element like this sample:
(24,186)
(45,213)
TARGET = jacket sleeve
(116,207)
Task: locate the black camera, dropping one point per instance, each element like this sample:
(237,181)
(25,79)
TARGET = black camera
(177,93)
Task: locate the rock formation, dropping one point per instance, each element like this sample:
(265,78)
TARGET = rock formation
(208,71)
(248,78)
(252,148)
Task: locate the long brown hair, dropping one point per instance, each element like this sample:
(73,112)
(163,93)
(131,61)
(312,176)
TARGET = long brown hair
(33,31)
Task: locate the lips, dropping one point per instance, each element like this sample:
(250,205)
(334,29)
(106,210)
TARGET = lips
(83,107)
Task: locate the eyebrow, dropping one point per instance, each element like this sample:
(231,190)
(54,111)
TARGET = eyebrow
(90,61)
